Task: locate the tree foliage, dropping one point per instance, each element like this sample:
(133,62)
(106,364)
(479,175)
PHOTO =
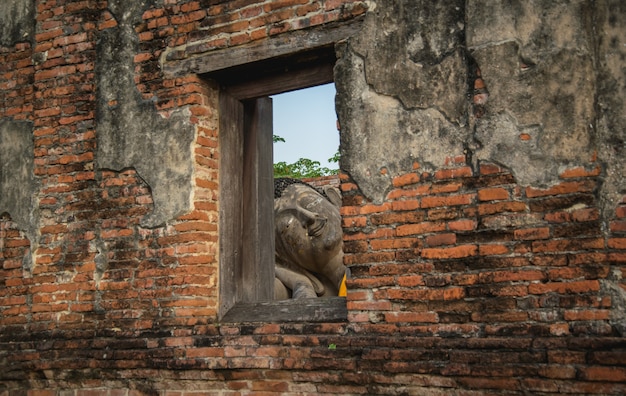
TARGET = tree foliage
(304,167)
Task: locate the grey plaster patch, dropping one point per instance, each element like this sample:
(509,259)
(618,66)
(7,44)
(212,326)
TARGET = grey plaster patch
(17,21)
(536,59)
(131,133)
(381,138)
(17,180)
(545,102)
(413,50)
(611,288)
(611,132)
(611,102)
(402,92)
(555,72)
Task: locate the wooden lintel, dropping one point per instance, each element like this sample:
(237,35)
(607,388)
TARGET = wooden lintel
(272,47)
(283,82)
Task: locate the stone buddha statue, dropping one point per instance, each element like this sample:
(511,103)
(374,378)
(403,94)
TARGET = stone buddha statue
(309,241)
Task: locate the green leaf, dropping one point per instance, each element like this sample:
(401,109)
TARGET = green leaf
(276,138)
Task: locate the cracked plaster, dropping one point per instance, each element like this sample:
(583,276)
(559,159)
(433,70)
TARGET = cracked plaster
(131,133)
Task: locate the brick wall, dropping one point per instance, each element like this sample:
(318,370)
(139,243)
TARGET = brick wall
(463,281)
(331,180)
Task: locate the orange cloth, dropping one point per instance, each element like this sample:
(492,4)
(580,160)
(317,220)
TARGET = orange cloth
(343,290)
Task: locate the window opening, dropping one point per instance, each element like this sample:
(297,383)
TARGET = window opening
(249,279)
(306,140)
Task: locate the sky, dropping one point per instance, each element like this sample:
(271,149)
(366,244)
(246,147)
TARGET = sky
(306,119)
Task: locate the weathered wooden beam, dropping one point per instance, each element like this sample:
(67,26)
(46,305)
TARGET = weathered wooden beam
(302,310)
(231,195)
(283,82)
(272,47)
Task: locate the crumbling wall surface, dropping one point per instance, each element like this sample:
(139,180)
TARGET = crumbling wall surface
(611,99)
(18,202)
(483,201)
(16,172)
(131,134)
(536,59)
(405,75)
(502,213)
(17,181)
(17,21)
(611,135)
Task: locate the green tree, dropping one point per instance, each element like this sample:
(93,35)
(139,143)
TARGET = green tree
(304,167)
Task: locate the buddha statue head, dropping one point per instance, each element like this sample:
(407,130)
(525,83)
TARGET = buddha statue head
(308,234)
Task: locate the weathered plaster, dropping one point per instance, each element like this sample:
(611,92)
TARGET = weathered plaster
(556,95)
(611,102)
(131,133)
(402,92)
(17,21)
(611,133)
(540,76)
(17,180)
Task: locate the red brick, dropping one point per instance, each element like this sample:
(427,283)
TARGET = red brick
(618,226)
(406,217)
(450,293)
(603,373)
(588,214)
(354,221)
(450,200)
(405,205)
(617,243)
(601,314)
(462,225)
(369,283)
(490,169)
(617,257)
(564,273)
(368,209)
(449,187)
(369,305)
(501,207)
(489,317)
(205,352)
(450,252)
(564,287)
(441,239)
(420,228)
(511,276)
(408,317)
(565,245)
(41,392)
(395,243)
(493,382)
(54,229)
(492,249)
(532,233)
(493,194)
(453,173)
(404,180)
(409,192)
(561,188)
(580,172)
(411,280)
(378,257)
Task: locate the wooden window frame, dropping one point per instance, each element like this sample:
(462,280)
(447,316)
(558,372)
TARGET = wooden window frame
(247,203)
(247,75)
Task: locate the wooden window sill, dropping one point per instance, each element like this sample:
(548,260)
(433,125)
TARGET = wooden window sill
(331,309)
